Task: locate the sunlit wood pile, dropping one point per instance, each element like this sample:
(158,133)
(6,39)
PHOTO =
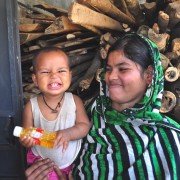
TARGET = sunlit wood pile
(87,29)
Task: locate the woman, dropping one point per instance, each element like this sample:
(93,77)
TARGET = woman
(129,138)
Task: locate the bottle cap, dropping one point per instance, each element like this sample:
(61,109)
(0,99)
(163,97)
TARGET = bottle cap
(17,131)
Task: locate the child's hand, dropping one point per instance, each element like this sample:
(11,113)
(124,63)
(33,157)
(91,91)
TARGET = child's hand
(27,142)
(63,137)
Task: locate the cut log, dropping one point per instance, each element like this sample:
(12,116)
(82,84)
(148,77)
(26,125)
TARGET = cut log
(42,11)
(156,28)
(27,96)
(150,10)
(109,9)
(159,39)
(31,48)
(61,24)
(76,60)
(143,29)
(41,17)
(107,38)
(63,38)
(174,87)
(77,77)
(175,113)
(80,46)
(172,55)
(80,14)
(165,61)
(92,28)
(173,10)
(29,87)
(31,28)
(176,45)
(57,11)
(171,74)
(136,11)
(26,58)
(88,77)
(35,10)
(34,21)
(24,20)
(26,37)
(80,68)
(123,7)
(104,51)
(74,86)
(81,50)
(163,21)
(168,102)
(76,42)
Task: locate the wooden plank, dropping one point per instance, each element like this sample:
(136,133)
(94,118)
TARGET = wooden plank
(24,20)
(76,60)
(41,17)
(31,28)
(123,7)
(62,24)
(92,28)
(80,68)
(26,37)
(91,71)
(57,11)
(80,14)
(109,9)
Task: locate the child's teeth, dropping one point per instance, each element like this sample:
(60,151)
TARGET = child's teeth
(54,84)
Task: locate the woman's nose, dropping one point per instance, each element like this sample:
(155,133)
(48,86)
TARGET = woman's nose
(113,75)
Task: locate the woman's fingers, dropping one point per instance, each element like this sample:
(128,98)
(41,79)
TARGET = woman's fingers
(39,170)
(59,173)
(70,176)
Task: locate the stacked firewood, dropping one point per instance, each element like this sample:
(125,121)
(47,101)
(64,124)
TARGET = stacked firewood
(86,31)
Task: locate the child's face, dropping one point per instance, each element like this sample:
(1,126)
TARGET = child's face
(53,75)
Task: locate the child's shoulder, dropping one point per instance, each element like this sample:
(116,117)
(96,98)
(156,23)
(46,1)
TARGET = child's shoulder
(77,99)
(33,99)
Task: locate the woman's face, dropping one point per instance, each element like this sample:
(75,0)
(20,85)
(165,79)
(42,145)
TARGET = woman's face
(127,84)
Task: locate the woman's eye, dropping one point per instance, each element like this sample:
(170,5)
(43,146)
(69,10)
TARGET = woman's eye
(108,69)
(123,69)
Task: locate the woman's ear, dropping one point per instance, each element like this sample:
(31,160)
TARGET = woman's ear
(34,79)
(149,74)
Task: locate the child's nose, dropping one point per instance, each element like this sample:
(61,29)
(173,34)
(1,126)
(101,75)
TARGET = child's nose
(53,74)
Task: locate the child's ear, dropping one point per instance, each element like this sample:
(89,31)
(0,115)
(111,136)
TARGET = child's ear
(34,79)
(149,74)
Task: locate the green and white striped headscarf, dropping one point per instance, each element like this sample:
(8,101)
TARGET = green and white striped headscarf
(147,111)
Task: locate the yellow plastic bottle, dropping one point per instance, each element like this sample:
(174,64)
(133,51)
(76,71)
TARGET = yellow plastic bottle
(41,137)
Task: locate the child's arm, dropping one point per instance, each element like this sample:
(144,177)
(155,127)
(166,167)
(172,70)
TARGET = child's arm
(27,122)
(79,130)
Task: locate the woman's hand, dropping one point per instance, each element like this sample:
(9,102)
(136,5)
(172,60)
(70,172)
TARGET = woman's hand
(60,174)
(39,170)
